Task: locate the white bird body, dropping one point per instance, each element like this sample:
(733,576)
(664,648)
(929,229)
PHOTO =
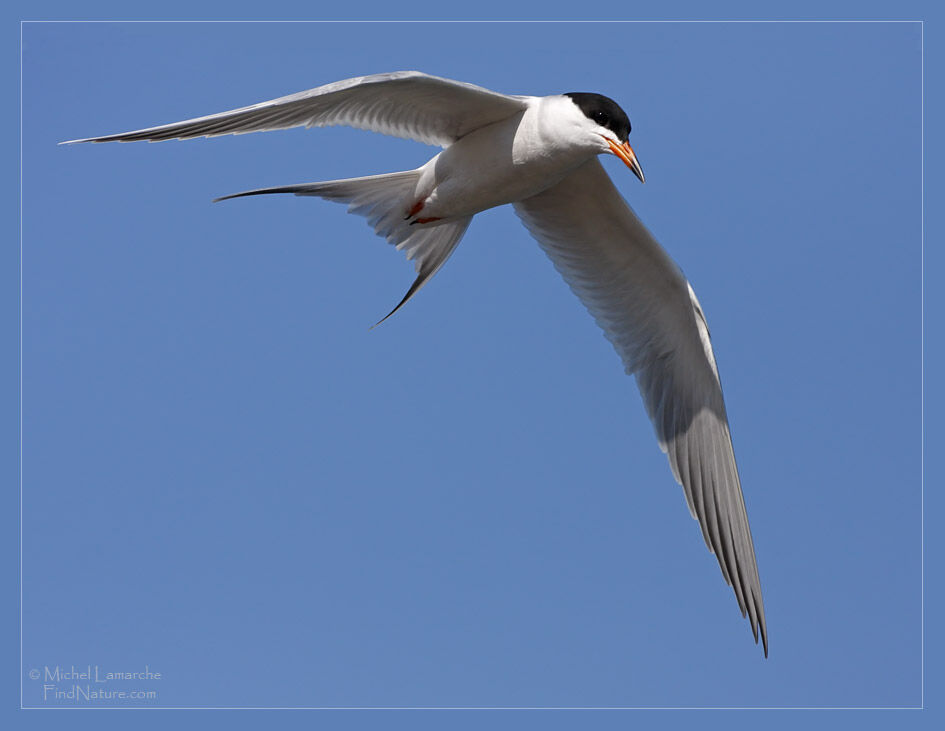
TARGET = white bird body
(452,187)
(509,160)
(539,154)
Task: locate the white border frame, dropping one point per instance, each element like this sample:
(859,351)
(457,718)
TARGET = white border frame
(503,708)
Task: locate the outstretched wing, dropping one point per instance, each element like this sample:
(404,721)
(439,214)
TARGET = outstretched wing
(407,104)
(648,310)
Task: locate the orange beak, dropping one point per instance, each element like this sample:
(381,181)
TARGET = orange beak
(625,153)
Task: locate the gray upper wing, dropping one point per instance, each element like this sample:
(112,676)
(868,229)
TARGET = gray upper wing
(648,310)
(407,104)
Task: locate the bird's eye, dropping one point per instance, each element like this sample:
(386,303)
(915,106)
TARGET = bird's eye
(601,118)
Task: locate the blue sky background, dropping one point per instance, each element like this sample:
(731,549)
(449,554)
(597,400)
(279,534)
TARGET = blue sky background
(228,478)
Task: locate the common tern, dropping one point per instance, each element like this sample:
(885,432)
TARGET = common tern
(541,155)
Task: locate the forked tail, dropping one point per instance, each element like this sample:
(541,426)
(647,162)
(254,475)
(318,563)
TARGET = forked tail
(387,202)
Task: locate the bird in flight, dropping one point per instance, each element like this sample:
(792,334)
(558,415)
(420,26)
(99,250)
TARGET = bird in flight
(541,155)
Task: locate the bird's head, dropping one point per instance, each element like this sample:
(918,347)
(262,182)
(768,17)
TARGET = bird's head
(608,127)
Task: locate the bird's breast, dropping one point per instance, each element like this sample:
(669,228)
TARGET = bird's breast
(502,163)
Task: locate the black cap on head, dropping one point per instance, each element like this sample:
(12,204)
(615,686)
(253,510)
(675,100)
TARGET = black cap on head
(603,111)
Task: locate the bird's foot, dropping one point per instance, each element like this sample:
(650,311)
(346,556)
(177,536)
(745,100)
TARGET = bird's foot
(417,207)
